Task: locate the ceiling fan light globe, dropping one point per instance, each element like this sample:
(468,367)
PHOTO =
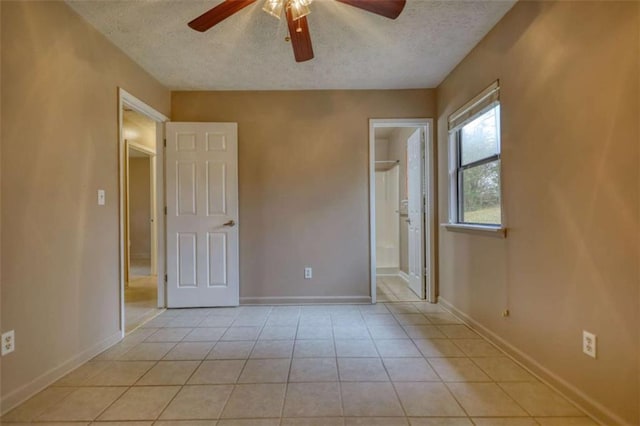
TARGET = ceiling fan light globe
(274,7)
(298,9)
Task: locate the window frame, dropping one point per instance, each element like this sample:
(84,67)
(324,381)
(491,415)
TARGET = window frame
(485,101)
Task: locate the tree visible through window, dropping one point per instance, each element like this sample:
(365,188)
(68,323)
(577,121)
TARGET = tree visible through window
(478,169)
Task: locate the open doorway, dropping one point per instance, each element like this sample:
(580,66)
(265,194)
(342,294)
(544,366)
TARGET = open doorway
(140,231)
(401,180)
(142,271)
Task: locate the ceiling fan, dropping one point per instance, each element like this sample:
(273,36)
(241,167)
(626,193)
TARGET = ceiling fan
(295,12)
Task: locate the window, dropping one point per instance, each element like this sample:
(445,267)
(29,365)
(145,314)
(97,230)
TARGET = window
(475,161)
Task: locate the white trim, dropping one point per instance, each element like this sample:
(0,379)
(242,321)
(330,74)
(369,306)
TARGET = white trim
(126,98)
(161,243)
(402,274)
(430,214)
(372,212)
(141,107)
(153,180)
(492,231)
(430,220)
(305,300)
(480,102)
(141,148)
(41,382)
(597,411)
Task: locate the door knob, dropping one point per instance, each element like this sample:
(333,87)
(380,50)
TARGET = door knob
(231,223)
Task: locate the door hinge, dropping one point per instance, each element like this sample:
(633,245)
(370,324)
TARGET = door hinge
(165,142)
(165,278)
(165,210)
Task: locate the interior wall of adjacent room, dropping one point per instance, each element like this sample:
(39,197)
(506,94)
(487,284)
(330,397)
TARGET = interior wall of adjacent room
(139,129)
(303,182)
(140,207)
(569,95)
(54,159)
(382,149)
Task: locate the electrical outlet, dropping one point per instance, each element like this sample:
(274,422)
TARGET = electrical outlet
(308,273)
(589,343)
(8,342)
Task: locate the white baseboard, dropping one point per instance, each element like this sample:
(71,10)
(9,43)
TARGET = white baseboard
(305,300)
(387,270)
(584,402)
(18,396)
(404,276)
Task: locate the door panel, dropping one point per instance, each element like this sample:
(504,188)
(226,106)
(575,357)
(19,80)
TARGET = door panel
(415,209)
(187,259)
(217,256)
(202,212)
(216,191)
(186,197)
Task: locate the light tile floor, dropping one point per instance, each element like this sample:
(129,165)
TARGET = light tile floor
(391,288)
(140,295)
(386,364)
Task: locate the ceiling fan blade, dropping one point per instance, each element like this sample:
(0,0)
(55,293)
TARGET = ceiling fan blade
(300,37)
(388,8)
(218,14)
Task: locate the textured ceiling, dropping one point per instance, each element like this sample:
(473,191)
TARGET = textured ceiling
(353,49)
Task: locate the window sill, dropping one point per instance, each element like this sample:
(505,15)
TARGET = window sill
(490,231)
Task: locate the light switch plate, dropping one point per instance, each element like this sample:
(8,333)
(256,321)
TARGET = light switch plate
(101,197)
(308,273)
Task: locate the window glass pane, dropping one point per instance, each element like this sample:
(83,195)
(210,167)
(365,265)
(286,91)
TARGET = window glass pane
(480,198)
(480,137)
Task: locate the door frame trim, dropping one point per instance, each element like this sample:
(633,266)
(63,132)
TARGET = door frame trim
(127,99)
(429,185)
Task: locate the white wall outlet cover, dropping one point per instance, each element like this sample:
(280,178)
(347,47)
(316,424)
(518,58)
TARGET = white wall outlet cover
(308,273)
(589,343)
(8,342)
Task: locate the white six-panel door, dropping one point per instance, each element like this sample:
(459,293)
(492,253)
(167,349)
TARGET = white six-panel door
(202,214)
(415,195)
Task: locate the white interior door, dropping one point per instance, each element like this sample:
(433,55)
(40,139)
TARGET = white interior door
(416,213)
(202,214)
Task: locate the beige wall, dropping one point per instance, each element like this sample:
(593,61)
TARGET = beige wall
(1,327)
(303,170)
(59,145)
(569,92)
(140,207)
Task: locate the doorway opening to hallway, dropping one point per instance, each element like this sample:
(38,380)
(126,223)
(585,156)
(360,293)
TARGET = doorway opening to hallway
(401,210)
(142,294)
(141,290)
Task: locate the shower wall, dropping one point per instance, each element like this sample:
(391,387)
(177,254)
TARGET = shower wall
(387,221)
